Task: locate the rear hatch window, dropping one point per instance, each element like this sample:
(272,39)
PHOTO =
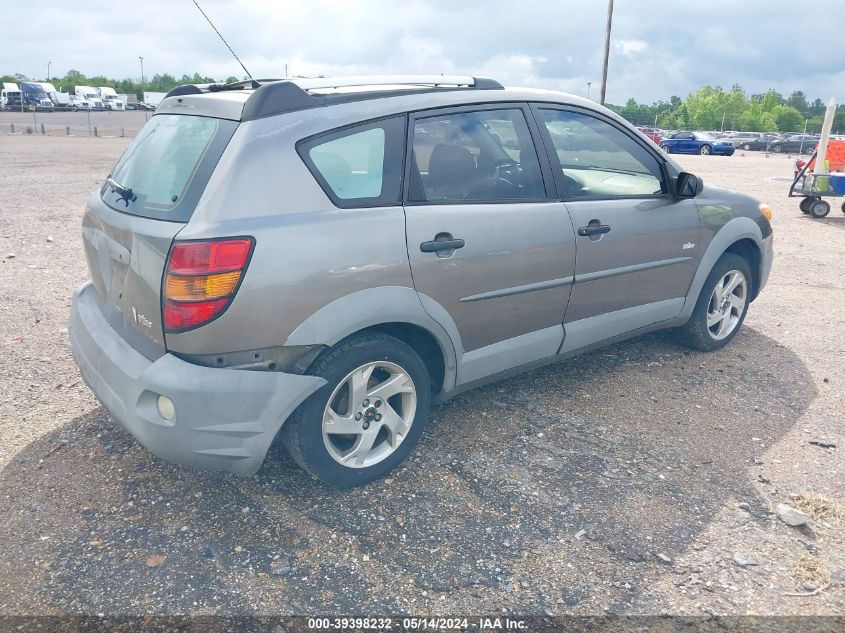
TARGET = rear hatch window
(163,172)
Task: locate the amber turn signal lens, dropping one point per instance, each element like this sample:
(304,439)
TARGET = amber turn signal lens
(766,210)
(200,287)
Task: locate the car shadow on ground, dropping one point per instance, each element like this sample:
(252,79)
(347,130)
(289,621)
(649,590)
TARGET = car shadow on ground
(526,494)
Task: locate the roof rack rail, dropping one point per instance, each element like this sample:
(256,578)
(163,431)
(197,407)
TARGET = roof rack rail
(360,81)
(195,89)
(293,94)
(277,96)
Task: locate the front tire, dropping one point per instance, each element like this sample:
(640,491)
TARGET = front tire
(819,208)
(369,416)
(721,307)
(705,150)
(666,149)
(746,146)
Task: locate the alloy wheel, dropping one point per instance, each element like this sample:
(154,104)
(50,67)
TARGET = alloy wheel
(727,304)
(369,414)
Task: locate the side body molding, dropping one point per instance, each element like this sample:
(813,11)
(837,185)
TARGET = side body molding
(734,230)
(376,306)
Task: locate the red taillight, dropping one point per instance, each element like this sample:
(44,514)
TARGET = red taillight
(201,280)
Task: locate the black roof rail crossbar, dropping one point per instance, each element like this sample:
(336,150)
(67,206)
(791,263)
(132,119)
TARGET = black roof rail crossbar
(187,89)
(277,98)
(483,83)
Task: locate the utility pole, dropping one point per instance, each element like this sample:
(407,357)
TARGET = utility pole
(589,83)
(48,70)
(606,50)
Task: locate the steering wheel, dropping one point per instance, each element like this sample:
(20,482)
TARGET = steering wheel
(502,165)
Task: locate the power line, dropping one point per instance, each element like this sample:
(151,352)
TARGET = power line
(221,37)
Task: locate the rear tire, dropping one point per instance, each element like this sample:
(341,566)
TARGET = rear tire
(805,203)
(746,146)
(666,149)
(718,314)
(385,420)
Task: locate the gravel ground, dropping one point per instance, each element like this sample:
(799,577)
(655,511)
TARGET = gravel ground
(641,478)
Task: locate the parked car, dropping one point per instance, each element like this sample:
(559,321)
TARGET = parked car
(394,272)
(800,143)
(652,133)
(761,142)
(738,138)
(696,143)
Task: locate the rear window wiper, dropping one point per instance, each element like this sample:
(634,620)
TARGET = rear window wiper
(124,193)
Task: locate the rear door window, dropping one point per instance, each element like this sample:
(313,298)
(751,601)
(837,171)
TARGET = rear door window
(168,165)
(474,157)
(359,166)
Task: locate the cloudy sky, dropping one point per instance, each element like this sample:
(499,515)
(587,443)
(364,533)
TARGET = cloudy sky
(660,47)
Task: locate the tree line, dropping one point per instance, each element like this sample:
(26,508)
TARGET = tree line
(713,108)
(157,83)
(708,108)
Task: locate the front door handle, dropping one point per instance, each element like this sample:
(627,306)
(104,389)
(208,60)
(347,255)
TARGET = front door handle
(436,245)
(593,229)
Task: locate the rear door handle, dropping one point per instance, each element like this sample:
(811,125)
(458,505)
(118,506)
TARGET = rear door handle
(593,230)
(441,245)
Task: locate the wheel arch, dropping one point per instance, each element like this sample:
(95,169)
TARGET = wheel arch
(740,235)
(396,311)
(749,250)
(423,343)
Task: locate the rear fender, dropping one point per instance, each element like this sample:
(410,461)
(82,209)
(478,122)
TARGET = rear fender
(376,306)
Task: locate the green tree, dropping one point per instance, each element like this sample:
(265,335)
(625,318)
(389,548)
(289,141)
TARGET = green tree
(787,118)
(798,101)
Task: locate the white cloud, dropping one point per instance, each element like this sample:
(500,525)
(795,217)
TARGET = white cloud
(630,47)
(660,47)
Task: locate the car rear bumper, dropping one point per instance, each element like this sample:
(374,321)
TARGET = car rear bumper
(225,419)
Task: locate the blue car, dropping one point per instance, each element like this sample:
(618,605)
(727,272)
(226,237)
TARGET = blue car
(696,143)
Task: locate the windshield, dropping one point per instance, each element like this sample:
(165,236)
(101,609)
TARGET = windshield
(172,155)
(38,93)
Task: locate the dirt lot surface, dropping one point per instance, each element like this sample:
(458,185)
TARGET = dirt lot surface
(641,478)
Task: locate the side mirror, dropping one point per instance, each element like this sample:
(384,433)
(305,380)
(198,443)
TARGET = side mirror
(688,185)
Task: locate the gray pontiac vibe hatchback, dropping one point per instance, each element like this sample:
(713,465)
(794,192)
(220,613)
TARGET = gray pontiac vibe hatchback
(321,260)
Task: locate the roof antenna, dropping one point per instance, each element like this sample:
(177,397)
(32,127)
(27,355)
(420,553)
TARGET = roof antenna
(224,41)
